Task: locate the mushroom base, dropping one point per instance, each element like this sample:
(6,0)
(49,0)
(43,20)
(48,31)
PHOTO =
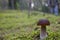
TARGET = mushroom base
(43,33)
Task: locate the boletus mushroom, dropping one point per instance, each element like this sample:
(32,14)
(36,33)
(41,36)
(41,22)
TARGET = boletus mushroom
(43,23)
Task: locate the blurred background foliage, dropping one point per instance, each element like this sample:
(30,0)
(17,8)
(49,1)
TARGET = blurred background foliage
(23,4)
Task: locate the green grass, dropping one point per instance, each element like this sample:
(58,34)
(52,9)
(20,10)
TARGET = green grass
(15,25)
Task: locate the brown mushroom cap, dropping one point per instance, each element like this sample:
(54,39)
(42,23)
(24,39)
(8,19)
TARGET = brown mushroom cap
(43,22)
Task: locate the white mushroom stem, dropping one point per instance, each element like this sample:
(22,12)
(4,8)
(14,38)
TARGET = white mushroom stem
(43,33)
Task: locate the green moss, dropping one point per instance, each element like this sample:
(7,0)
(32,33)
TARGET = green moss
(15,25)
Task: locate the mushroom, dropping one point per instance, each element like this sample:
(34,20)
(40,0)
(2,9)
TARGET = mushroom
(43,23)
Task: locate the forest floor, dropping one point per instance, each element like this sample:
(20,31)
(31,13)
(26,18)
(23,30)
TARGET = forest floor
(16,25)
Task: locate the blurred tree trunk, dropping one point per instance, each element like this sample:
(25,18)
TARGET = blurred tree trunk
(15,6)
(12,4)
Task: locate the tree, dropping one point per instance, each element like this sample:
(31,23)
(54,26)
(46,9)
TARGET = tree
(12,4)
